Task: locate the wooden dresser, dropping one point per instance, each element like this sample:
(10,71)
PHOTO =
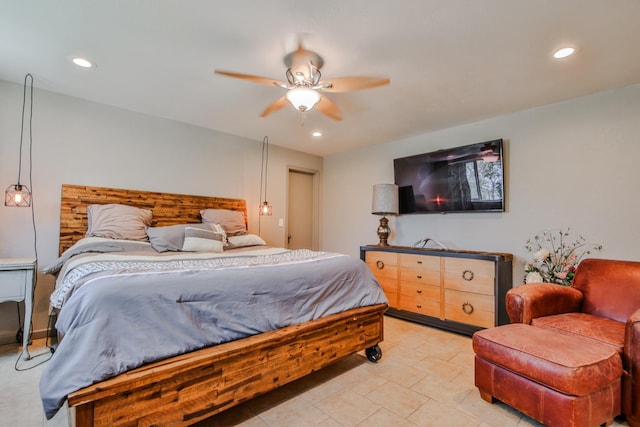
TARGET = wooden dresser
(461,291)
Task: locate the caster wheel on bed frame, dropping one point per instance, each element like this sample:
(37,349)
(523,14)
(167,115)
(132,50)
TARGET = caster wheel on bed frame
(374,353)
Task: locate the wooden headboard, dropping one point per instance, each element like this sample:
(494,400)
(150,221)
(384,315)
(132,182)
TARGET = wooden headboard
(167,208)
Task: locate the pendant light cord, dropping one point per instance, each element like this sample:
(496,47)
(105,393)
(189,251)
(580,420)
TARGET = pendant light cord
(24,101)
(265,161)
(33,214)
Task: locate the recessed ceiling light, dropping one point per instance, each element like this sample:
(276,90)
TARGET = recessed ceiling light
(316,133)
(564,52)
(84,63)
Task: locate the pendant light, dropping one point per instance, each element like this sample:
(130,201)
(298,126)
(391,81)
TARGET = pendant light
(19,195)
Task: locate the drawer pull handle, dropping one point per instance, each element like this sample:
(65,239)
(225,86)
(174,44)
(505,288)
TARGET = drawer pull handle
(419,262)
(419,276)
(418,306)
(419,291)
(467,308)
(467,275)
(380,265)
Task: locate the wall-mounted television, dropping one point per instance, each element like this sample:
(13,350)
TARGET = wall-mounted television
(461,179)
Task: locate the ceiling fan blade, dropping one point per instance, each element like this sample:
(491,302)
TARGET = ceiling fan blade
(327,107)
(255,79)
(275,106)
(348,84)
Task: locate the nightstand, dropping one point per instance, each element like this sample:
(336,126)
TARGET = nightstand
(16,284)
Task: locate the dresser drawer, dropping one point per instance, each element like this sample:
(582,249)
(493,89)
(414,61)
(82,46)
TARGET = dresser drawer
(421,299)
(420,262)
(470,275)
(420,305)
(413,290)
(470,308)
(388,285)
(421,277)
(393,298)
(384,266)
(387,258)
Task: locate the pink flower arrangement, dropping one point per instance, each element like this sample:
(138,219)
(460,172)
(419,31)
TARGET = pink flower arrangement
(556,257)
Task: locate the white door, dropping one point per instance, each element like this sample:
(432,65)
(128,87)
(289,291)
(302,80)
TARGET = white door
(300,224)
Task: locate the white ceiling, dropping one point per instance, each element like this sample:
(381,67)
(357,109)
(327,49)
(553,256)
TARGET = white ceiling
(450,61)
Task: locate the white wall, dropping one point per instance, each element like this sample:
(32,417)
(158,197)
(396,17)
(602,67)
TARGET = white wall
(572,164)
(79,142)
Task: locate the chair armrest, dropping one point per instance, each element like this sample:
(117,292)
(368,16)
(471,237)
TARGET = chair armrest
(631,364)
(532,300)
(632,332)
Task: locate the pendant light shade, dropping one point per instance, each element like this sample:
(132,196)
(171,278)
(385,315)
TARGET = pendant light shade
(265,208)
(17,195)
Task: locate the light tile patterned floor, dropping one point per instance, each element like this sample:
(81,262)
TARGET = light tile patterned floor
(425,378)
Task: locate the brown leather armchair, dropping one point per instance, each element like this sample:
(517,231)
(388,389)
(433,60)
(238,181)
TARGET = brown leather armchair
(603,304)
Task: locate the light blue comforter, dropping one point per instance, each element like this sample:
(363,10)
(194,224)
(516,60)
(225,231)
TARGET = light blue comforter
(122,315)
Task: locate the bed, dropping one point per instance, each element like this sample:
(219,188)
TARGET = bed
(112,373)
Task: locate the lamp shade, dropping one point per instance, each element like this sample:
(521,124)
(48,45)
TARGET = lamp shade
(17,195)
(303,98)
(385,199)
(265,208)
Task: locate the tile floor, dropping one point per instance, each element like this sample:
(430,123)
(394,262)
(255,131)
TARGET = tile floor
(425,378)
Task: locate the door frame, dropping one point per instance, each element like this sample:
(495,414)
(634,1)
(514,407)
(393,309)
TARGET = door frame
(315,211)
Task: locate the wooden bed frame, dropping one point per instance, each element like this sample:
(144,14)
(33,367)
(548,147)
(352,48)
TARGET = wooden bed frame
(188,388)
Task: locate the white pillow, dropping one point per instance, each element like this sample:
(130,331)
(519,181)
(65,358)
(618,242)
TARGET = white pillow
(196,239)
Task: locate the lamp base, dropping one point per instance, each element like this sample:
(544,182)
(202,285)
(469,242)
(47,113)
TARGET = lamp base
(383,231)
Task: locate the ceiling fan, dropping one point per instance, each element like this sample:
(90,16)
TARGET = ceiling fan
(305,86)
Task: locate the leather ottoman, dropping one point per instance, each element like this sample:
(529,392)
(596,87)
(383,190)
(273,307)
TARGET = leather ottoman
(556,379)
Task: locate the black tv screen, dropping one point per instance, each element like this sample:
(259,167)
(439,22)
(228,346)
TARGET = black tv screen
(462,179)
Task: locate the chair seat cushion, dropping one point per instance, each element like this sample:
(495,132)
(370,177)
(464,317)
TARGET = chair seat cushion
(570,364)
(587,325)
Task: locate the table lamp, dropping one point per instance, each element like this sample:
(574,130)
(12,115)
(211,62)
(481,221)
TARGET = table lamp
(385,202)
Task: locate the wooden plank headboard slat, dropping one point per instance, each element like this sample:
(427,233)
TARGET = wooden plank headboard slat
(167,208)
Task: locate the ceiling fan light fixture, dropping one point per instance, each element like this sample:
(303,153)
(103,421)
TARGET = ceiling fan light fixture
(303,98)
(304,87)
